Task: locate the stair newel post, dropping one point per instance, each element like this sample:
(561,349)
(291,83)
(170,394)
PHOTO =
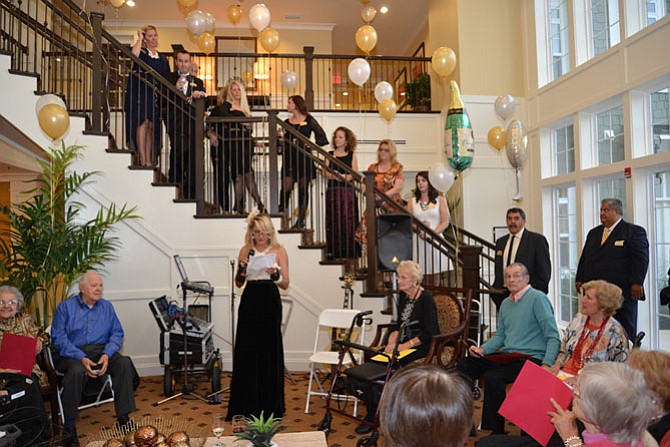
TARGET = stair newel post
(99,90)
(274,163)
(309,76)
(199,155)
(372,283)
(470,255)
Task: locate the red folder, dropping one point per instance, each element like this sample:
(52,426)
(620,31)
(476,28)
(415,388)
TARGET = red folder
(506,357)
(18,352)
(527,402)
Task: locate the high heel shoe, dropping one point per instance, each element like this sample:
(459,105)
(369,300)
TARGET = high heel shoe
(261,208)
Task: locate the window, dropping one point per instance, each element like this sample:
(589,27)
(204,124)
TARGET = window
(566,252)
(662,250)
(610,136)
(564,144)
(660,120)
(558,26)
(604,25)
(655,10)
(612,188)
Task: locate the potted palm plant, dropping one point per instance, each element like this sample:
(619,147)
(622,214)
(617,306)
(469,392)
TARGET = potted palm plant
(48,243)
(260,431)
(418,92)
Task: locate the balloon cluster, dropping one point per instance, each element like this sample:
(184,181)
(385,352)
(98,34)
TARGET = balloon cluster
(514,139)
(202,25)
(52,116)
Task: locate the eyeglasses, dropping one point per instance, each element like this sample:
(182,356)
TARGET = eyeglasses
(10,303)
(384,150)
(575,393)
(258,232)
(514,275)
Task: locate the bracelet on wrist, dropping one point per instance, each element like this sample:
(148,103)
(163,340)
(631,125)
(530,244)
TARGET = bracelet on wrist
(573,441)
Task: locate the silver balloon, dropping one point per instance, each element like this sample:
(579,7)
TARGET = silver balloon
(210,23)
(442,176)
(259,16)
(196,22)
(359,71)
(383,90)
(505,106)
(289,79)
(515,144)
(48,99)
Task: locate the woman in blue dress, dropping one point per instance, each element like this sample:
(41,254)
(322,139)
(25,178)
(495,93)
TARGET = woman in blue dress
(142,102)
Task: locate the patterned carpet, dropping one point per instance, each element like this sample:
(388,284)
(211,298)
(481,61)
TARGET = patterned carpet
(198,415)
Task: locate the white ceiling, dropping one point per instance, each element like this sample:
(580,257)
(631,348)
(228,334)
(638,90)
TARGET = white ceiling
(396,29)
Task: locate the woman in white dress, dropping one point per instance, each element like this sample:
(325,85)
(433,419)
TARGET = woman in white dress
(431,208)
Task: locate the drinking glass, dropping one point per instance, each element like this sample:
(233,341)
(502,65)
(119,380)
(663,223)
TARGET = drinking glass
(238,423)
(218,427)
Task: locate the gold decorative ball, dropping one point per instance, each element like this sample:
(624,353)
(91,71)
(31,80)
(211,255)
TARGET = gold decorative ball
(160,437)
(129,440)
(114,443)
(178,436)
(145,436)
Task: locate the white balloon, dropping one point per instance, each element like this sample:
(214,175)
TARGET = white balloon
(359,71)
(210,22)
(196,22)
(442,176)
(504,106)
(383,90)
(48,99)
(259,16)
(289,79)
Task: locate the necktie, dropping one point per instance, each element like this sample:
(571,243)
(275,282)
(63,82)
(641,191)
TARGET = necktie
(606,232)
(509,252)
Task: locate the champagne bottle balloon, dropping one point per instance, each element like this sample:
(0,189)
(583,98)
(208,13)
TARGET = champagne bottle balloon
(459,139)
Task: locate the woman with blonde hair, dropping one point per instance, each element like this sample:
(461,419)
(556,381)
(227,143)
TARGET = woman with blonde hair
(141,105)
(258,359)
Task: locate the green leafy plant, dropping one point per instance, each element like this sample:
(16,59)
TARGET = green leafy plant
(260,431)
(48,243)
(418,92)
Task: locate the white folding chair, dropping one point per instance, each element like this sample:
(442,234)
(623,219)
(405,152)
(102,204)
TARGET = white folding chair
(330,319)
(94,391)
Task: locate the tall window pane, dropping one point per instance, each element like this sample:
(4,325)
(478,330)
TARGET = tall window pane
(660,120)
(558,26)
(564,144)
(662,249)
(612,188)
(656,9)
(566,213)
(604,24)
(610,136)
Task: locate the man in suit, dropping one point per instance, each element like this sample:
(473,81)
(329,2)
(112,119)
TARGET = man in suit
(618,252)
(180,123)
(524,246)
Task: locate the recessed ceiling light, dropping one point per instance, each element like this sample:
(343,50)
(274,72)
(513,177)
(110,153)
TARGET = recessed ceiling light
(345,93)
(293,17)
(130,3)
(384,9)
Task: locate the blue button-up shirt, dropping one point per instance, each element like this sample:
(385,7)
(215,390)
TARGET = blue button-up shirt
(75,324)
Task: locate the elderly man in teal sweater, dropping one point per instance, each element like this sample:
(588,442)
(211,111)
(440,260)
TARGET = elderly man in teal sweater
(526,331)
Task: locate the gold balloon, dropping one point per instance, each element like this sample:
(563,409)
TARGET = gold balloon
(206,42)
(497,137)
(187,3)
(368,14)
(387,109)
(366,38)
(54,120)
(444,61)
(234,14)
(270,39)
(247,77)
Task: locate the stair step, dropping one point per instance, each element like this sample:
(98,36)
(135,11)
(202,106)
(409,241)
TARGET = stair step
(317,246)
(30,74)
(119,151)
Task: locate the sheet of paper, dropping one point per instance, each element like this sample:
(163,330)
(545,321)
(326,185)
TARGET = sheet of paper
(18,352)
(527,402)
(258,264)
(401,354)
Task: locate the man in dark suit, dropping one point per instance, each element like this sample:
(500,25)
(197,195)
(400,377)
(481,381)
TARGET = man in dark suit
(524,246)
(618,252)
(180,123)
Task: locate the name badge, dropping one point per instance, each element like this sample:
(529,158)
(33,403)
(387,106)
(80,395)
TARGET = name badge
(499,253)
(618,243)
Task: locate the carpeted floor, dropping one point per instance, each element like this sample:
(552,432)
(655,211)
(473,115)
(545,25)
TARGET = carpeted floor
(198,415)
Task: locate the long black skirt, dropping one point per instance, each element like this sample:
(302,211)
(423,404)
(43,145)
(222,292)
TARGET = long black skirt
(258,358)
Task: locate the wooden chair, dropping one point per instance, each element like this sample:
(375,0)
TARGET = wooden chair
(453,317)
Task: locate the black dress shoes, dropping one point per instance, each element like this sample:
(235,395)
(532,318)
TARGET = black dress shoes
(363,429)
(70,438)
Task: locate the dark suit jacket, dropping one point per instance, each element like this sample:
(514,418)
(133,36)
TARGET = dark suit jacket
(177,122)
(622,260)
(533,252)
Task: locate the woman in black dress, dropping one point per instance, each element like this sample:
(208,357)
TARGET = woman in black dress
(258,359)
(341,204)
(142,104)
(296,164)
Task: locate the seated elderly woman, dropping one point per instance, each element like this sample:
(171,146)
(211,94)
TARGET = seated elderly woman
(613,402)
(655,365)
(28,409)
(425,406)
(593,335)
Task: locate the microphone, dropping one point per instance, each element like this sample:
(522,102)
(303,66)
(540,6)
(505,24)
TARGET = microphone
(359,317)
(242,268)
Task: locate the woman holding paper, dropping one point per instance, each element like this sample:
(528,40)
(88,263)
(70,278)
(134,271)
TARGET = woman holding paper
(258,359)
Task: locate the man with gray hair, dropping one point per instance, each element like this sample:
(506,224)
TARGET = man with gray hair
(88,336)
(618,252)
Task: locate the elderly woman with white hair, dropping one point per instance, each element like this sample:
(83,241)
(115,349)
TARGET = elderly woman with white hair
(613,402)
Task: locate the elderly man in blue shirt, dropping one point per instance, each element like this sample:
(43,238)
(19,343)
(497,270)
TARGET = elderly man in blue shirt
(88,337)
